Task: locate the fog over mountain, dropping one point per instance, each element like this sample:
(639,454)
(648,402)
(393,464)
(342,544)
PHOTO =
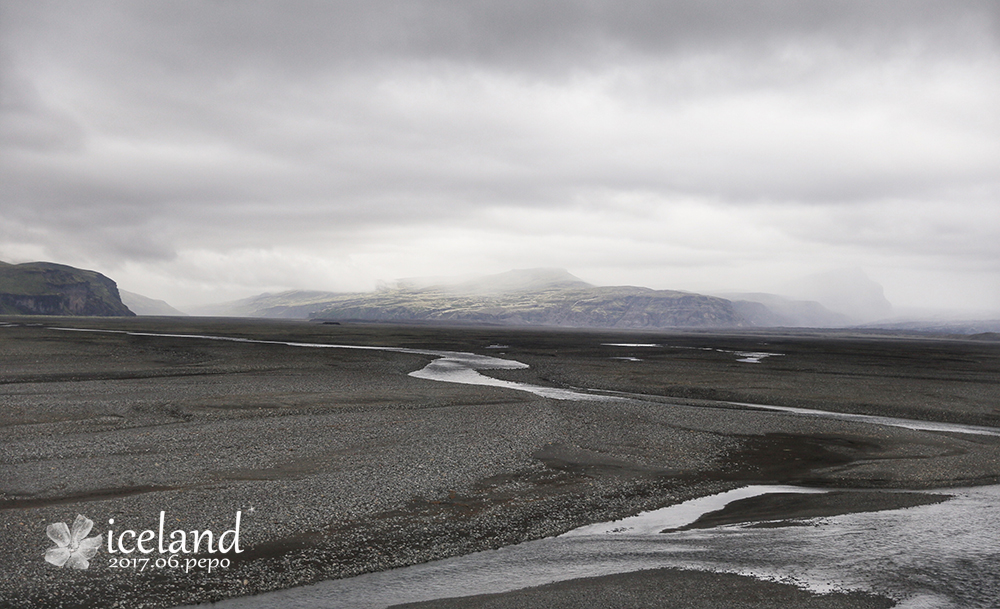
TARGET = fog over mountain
(142,305)
(763,309)
(847,291)
(554,297)
(202,152)
(291,304)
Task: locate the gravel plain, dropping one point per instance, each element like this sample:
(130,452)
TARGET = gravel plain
(340,463)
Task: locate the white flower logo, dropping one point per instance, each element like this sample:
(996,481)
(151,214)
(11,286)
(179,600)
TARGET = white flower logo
(72,550)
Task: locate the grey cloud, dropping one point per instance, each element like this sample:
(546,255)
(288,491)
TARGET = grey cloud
(26,122)
(192,37)
(147,130)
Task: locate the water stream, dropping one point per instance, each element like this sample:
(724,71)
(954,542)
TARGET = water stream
(940,556)
(463,367)
(450,367)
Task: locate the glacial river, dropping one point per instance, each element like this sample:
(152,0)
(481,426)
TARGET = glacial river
(940,556)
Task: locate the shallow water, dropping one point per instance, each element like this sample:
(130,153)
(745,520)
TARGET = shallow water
(450,367)
(926,557)
(676,516)
(462,367)
(940,556)
(877,420)
(747,357)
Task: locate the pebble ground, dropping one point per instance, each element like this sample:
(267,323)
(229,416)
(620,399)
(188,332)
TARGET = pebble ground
(341,464)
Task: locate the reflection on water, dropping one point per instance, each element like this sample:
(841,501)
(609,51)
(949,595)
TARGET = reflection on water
(676,516)
(928,557)
(454,367)
(935,556)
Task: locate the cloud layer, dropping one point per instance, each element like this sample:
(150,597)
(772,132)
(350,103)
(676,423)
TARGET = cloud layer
(205,151)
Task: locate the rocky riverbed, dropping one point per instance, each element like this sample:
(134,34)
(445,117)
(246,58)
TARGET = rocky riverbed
(341,463)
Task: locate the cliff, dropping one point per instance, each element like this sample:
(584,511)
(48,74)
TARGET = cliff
(45,288)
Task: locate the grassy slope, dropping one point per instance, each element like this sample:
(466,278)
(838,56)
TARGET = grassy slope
(48,279)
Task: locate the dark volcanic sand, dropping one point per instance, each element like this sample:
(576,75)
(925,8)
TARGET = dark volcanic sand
(349,465)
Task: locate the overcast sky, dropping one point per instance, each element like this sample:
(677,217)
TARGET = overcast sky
(209,150)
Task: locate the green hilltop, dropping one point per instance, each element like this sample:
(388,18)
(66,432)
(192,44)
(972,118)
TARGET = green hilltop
(46,288)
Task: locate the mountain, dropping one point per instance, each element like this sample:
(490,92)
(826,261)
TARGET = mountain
(847,291)
(536,297)
(554,297)
(293,304)
(46,288)
(772,310)
(518,280)
(302,304)
(142,305)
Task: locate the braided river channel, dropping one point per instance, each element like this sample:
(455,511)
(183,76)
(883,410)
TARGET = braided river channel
(938,556)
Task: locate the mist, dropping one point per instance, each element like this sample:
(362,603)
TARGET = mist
(202,152)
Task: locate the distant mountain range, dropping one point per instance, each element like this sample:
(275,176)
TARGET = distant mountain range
(293,304)
(771,310)
(141,305)
(45,288)
(535,297)
(849,292)
(526,297)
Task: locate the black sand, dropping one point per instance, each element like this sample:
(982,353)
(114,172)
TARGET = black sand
(342,464)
